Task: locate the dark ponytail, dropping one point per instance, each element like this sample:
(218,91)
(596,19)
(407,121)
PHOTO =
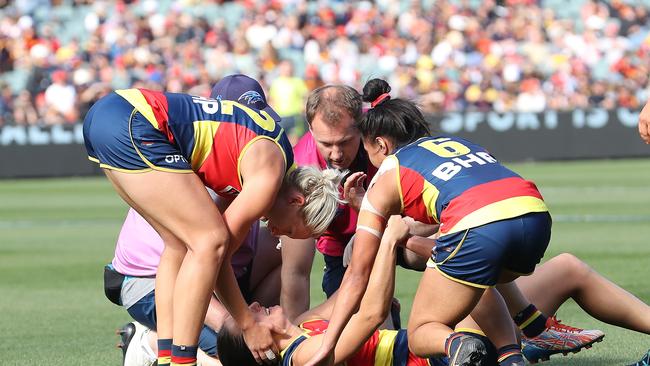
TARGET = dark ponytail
(375,92)
(232,349)
(397,119)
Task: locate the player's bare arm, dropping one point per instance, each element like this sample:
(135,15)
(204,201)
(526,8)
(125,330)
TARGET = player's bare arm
(259,169)
(375,303)
(297,260)
(381,201)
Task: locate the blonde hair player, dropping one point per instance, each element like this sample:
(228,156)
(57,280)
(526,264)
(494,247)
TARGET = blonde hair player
(159,150)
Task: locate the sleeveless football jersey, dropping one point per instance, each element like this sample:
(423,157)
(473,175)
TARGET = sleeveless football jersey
(458,184)
(212,135)
(383,348)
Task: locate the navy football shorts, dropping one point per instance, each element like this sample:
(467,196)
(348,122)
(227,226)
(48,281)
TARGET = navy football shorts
(118,137)
(477,255)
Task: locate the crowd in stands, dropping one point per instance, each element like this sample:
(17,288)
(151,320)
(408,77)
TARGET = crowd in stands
(58,57)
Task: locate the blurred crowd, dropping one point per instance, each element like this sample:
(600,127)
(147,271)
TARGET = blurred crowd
(58,57)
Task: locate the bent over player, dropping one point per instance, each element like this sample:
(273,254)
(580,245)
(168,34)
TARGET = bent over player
(159,150)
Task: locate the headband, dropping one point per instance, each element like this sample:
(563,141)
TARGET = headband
(379,99)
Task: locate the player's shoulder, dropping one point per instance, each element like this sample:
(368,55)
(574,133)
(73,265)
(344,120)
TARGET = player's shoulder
(316,324)
(437,144)
(412,146)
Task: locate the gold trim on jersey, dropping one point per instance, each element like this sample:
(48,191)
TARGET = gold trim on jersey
(130,171)
(461,281)
(248,144)
(150,164)
(204,132)
(137,100)
(110,167)
(470,330)
(505,209)
(293,166)
(399,182)
(291,342)
(384,348)
(460,244)
(429,197)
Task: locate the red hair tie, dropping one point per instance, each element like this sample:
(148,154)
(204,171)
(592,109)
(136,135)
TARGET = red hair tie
(379,99)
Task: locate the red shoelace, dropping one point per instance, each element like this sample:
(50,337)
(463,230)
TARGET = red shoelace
(554,323)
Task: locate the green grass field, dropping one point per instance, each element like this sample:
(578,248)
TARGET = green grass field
(56,235)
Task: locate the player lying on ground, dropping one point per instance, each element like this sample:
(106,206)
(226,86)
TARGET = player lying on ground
(361,344)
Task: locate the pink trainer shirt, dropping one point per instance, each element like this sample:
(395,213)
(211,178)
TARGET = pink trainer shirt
(333,241)
(139,247)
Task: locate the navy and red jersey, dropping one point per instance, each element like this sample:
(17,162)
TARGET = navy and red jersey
(458,184)
(383,348)
(211,134)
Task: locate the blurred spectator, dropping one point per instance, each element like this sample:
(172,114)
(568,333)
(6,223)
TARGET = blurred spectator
(531,98)
(288,95)
(6,104)
(6,58)
(24,110)
(60,99)
(513,55)
(312,78)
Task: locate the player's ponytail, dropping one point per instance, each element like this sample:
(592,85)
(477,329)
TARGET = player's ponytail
(398,119)
(375,92)
(232,349)
(321,192)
